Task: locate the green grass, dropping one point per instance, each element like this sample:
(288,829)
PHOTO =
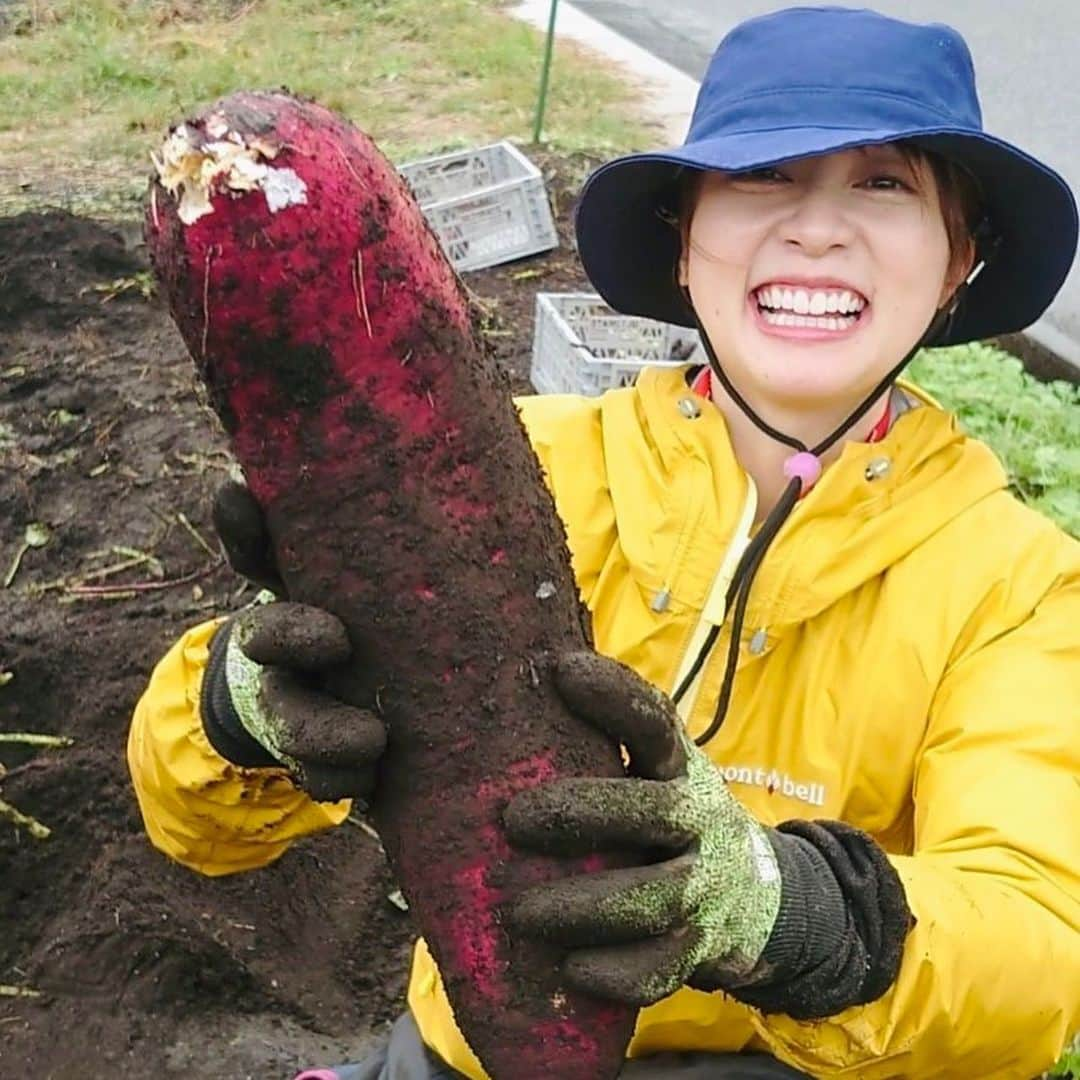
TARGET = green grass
(90,86)
(1034,427)
(1068,1065)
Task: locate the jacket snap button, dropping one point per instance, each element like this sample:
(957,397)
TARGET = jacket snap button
(757,642)
(689,408)
(660,601)
(877,468)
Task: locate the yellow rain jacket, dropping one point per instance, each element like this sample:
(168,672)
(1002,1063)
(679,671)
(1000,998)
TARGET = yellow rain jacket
(910,665)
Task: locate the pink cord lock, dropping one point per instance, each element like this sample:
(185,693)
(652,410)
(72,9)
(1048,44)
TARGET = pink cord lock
(805,466)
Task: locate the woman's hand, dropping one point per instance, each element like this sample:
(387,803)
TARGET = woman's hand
(240,524)
(264,700)
(703,912)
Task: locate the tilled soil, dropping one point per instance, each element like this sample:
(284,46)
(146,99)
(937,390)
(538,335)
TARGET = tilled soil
(141,966)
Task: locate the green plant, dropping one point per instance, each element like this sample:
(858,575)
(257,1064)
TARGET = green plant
(1034,427)
(1068,1065)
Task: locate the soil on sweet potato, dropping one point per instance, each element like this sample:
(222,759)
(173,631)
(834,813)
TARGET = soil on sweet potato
(143,966)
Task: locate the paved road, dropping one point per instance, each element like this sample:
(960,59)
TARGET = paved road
(1026,55)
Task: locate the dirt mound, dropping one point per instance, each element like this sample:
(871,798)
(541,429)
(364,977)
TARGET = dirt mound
(142,965)
(54,269)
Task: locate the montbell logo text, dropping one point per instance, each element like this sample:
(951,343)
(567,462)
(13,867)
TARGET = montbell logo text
(775,781)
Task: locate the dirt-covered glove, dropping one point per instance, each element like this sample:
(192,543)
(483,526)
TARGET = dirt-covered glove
(265,695)
(240,524)
(704,913)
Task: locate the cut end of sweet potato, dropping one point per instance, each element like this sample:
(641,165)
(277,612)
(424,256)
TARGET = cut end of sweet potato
(196,163)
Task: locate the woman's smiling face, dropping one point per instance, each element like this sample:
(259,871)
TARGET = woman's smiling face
(814,278)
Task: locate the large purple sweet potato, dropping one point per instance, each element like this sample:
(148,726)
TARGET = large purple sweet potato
(403,496)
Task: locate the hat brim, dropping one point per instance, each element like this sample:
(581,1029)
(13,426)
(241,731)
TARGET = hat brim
(629,247)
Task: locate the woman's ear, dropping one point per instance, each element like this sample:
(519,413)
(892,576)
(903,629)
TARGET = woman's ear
(683,268)
(959,268)
(688,197)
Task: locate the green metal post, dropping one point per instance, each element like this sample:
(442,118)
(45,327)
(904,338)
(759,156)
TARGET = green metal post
(541,104)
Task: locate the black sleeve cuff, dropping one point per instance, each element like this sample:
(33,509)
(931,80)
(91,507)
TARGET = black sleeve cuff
(220,722)
(839,936)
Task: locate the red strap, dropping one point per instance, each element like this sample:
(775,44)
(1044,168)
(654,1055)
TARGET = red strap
(881,428)
(702,385)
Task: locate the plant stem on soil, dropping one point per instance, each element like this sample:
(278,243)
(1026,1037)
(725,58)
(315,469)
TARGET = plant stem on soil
(143,586)
(31,825)
(32,739)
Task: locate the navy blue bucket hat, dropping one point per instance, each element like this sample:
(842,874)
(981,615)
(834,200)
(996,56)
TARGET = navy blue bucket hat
(808,81)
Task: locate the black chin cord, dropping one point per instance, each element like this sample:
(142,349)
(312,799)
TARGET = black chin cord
(803,469)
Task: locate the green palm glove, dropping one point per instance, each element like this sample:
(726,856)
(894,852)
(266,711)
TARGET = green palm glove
(704,913)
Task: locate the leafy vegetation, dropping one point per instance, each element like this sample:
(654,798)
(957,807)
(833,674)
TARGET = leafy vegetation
(1068,1066)
(1034,427)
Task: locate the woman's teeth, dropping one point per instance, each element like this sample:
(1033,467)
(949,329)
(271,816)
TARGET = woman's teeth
(819,309)
(782,318)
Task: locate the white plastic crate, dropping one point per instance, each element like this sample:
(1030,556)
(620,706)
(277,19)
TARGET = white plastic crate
(582,346)
(487,206)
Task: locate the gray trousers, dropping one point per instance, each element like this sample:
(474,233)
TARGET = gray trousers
(404,1057)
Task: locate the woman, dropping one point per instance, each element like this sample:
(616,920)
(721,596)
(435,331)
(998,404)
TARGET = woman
(862,818)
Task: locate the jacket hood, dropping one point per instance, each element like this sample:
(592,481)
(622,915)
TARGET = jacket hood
(852,526)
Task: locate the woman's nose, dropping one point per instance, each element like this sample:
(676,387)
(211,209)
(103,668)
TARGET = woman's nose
(818,223)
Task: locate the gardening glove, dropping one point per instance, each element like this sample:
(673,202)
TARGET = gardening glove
(702,914)
(266,698)
(240,524)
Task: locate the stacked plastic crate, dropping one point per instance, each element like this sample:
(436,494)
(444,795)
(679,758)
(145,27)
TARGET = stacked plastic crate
(489,206)
(582,346)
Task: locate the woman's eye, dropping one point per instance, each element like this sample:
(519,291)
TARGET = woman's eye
(886,182)
(772,176)
(765,175)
